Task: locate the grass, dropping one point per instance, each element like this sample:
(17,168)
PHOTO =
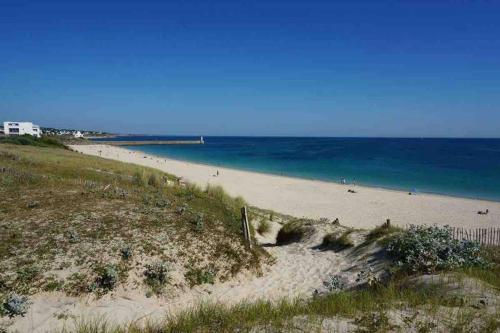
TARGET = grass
(338,242)
(264,227)
(292,231)
(489,275)
(367,308)
(28,140)
(381,232)
(64,211)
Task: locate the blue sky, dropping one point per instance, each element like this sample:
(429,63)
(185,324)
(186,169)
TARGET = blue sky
(299,68)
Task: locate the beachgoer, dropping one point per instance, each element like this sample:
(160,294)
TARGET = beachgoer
(217,173)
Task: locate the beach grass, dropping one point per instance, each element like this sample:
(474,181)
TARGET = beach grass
(293,231)
(367,309)
(338,241)
(62,211)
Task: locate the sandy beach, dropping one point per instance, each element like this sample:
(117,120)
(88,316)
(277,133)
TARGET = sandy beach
(366,208)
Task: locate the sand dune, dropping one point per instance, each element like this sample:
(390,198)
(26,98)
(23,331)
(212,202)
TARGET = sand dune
(315,199)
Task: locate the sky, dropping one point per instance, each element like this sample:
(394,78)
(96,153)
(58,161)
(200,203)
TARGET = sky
(263,68)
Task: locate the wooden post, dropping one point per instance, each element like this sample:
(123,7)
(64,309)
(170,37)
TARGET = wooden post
(245,226)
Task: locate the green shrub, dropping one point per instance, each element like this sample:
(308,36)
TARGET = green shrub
(334,283)
(157,275)
(427,249)
(199,226)
(198,276)
(15,305)
(152,181)
(107,277)
(126,252)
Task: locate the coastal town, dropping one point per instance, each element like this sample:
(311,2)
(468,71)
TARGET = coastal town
(10,128)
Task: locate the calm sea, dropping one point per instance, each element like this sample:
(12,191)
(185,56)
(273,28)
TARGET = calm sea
(459,167)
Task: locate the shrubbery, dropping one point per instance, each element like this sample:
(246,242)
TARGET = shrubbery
(334,283)
(198,276)
(28,140)
(126,252)
(14,305)
(157,275)
(107,277)
(427,249)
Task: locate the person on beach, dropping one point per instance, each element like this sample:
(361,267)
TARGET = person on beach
(217,173)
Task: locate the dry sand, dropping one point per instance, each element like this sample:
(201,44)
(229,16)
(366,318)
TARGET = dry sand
(315,199)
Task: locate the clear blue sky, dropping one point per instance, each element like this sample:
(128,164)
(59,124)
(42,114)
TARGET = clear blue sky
(325,68)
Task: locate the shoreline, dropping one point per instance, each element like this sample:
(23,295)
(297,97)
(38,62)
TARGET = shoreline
(358,185)
(369,207)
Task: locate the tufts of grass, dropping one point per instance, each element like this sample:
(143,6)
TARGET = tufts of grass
(292,231)
(336,242)
(197,276)
(367,307)
(382,231)
(263,227)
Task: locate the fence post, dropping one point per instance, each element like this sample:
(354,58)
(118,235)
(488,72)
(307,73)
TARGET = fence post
(245,226)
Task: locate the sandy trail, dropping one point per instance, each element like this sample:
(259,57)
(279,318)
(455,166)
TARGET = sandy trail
(315,199)
(299,270)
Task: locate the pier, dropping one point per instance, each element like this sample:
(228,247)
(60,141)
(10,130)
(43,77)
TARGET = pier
(151,142)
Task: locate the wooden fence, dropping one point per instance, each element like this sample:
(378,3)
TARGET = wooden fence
(485,236)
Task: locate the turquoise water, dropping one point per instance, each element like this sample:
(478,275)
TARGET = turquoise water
(458,167)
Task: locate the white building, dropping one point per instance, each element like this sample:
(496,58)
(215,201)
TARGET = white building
(78,134)
(21,128)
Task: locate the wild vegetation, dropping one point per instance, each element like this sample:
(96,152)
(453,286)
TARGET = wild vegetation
(338,241)
(294,231)
(29,140)
(408,301)
(85,225)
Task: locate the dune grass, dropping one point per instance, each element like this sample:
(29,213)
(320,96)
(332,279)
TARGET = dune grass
(382,231)
(61,210)
(264,227)
(338,242)
(292,231)
(366,308)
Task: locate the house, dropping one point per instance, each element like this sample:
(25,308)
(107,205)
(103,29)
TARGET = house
(78,134)
(21,128)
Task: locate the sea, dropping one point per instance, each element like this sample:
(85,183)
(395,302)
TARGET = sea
(457,167)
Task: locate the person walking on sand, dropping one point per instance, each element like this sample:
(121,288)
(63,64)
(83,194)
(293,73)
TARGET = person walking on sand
(217,173)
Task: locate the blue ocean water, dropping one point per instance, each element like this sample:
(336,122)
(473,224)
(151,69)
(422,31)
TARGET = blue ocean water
(458,167)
